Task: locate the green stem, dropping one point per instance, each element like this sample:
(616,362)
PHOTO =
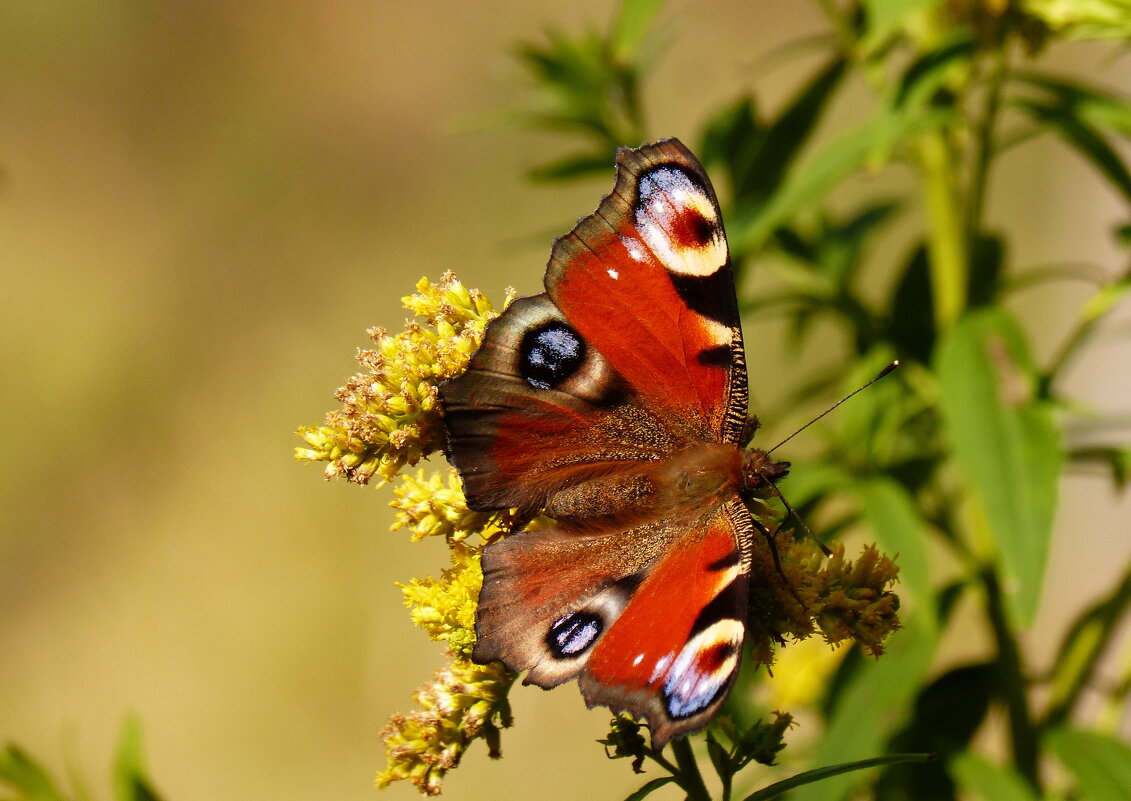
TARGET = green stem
(984,141)
(1094,311)
(946,232)
(1079,655)
(1011,682)
(689,777)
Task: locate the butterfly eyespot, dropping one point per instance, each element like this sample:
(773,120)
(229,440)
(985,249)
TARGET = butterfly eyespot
(702,672)
(550,354)
(574,634)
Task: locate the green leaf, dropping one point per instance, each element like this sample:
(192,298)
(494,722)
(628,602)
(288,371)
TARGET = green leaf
(821,774)
(891,515)
(633,20)
(981,779)
(130,783)
(873,701)
(886,17)
(1006,444)
(581,165)
(948,713)
(868,144)
(928,73)
(650,787)
(1101,764)
(26,776)
(1081,135)
(1096,105)
(913,332)
(785,136)
(1115,459)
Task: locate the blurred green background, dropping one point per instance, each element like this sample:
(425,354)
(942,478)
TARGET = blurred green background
(202,208)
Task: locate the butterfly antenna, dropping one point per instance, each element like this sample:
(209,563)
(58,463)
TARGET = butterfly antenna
(792,514)
(879,375)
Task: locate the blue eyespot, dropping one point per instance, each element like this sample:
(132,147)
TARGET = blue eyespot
(573,634)
(550,354)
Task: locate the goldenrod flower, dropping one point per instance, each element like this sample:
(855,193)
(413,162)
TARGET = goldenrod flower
(445,607)
(462,703)
(435,506)
(390,412)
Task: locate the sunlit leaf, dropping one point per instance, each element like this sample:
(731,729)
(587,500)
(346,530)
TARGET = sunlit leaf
(869,144)
(948,713)
(885,688)
(1098,106)
(634,18)
(1006,444)
(130,783)
(24,775)
(649,787)
(983,780)
(892,517)
(581,165)
(928,73)
(1100,764)
(824,774)
(1087,141)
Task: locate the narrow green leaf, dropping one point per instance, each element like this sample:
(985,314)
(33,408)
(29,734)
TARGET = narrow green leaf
(866,145)
(821,774)
(1006,444)
(1100,107)
(927,74)
(891,515)
(886,17)
(786,135)
(26,776)
(1081,135)
(872,704)
(130,783)
(983,780)
(1101,764)
(720,759)
(581,165)
(633,20)
(650,787)
(1115,459)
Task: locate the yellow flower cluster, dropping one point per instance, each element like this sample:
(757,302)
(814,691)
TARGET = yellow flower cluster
(462,703)
(805,590)
(445,607)
(389,414)
(430,506)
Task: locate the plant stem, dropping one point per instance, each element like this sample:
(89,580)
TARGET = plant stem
(946,232)
(689,777)
(1079,655)
(984,142)
(1011,682)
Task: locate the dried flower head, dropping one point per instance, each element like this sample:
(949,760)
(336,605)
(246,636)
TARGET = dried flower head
(463,702)
(390,414)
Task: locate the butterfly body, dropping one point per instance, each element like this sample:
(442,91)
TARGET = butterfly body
(615,403)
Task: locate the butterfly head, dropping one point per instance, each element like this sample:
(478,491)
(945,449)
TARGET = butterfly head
(759,469)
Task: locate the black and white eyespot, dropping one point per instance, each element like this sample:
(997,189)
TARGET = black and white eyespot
(677,217)
(574,634)
(550,354)
(700,675)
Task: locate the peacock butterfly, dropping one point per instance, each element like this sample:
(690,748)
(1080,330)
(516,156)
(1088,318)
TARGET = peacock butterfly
(616,404)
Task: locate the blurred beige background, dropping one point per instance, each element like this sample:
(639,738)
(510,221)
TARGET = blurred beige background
(202,208)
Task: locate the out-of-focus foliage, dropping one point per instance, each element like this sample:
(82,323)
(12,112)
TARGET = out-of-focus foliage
(966,445)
